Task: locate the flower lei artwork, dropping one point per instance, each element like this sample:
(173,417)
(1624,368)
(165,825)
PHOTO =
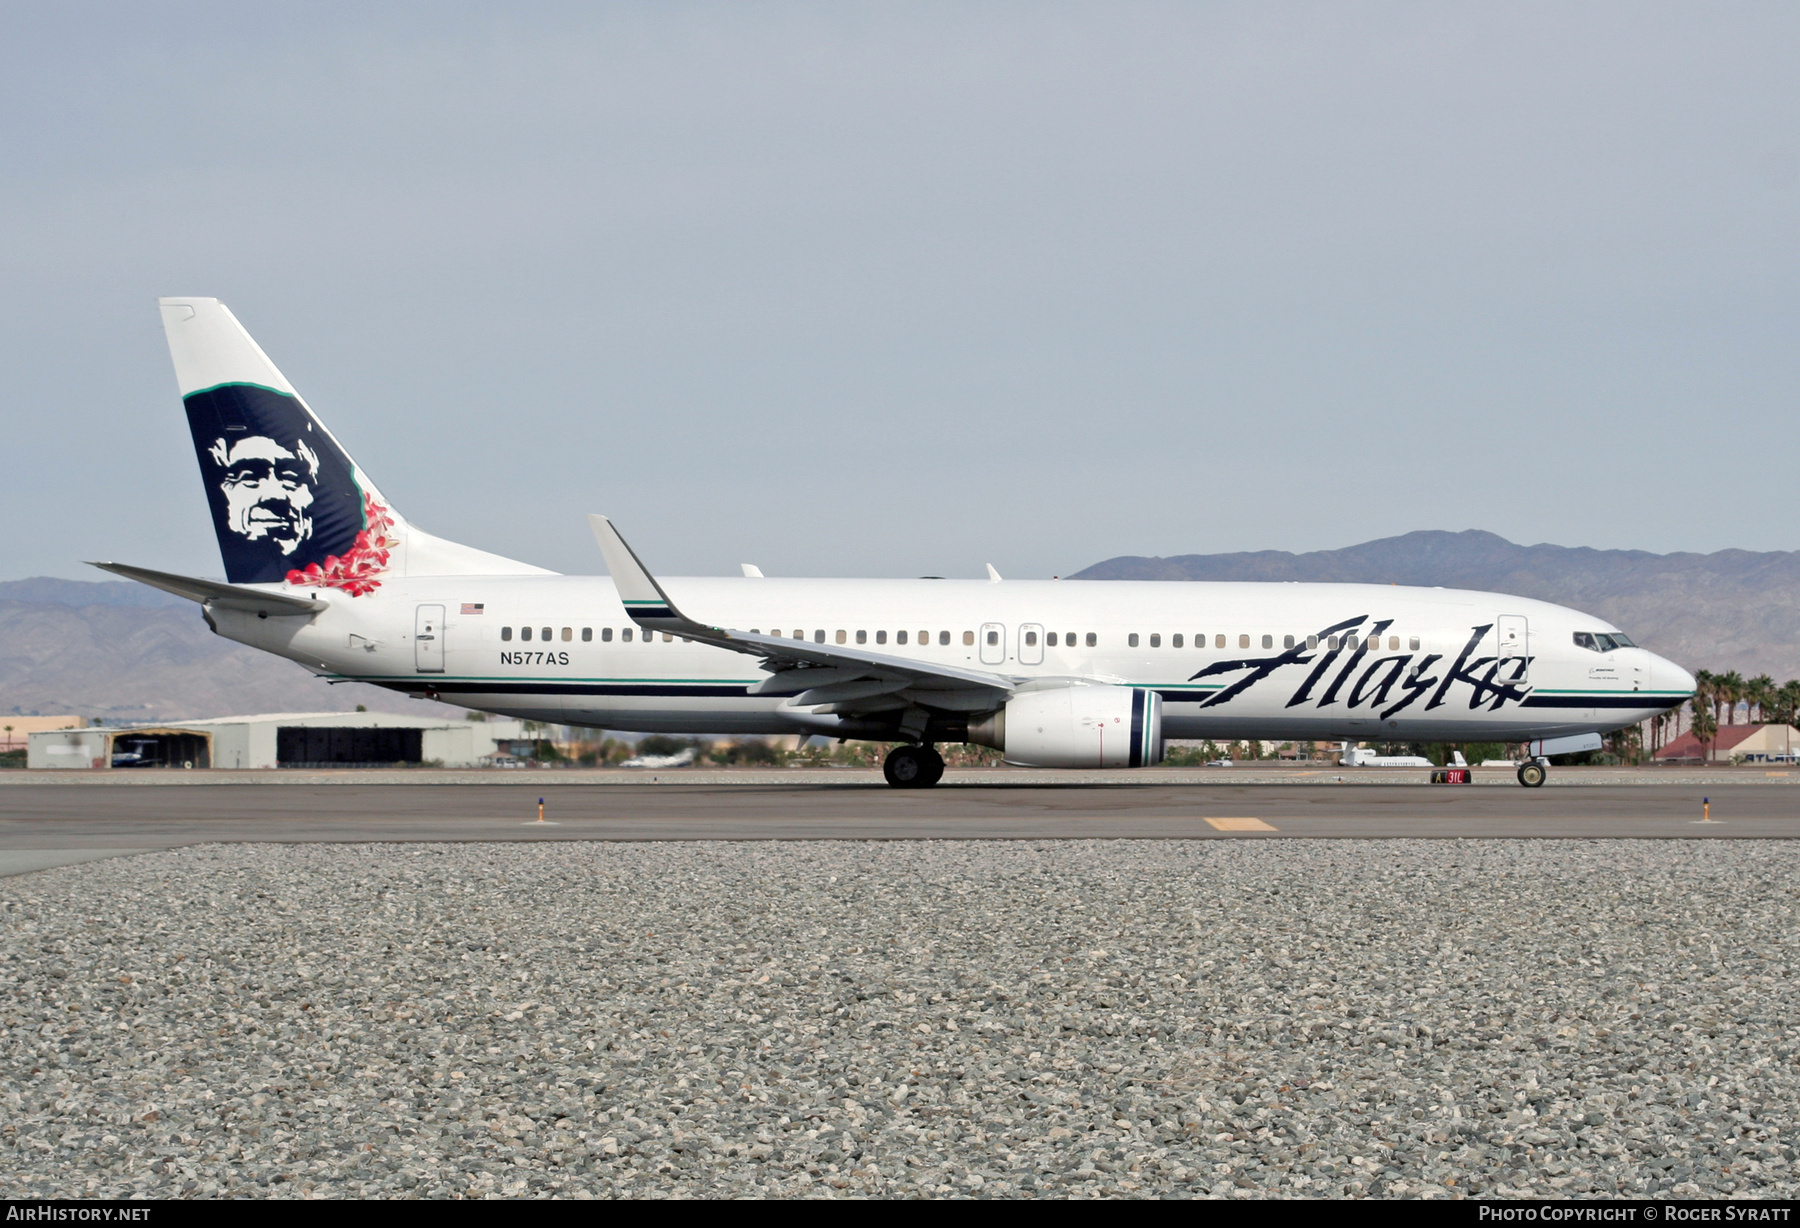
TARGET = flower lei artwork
(356,571)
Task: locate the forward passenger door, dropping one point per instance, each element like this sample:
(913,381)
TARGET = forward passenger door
(1515,648)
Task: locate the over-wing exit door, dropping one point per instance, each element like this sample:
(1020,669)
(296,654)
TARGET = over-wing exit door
(1515,647)
(428,639)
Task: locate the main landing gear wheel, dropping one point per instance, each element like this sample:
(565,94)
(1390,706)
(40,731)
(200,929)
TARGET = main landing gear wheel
(913,767)
(1532,775)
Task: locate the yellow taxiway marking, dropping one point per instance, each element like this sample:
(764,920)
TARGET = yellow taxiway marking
(1774,773)
(1240,825)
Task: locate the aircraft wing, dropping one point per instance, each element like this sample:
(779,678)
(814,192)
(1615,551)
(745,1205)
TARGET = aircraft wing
(829,677)
(212,592)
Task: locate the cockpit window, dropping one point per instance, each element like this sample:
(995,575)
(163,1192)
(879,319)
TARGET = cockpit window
(1602,641)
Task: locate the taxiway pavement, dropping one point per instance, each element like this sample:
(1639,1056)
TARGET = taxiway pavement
(74,822)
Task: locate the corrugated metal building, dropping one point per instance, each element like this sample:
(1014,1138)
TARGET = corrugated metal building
(292,739)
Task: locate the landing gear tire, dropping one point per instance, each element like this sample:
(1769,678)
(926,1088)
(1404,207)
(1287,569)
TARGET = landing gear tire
(1532,775)
(934,764)
(913,767)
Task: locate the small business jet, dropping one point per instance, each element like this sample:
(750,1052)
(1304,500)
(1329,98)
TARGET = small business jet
(322,569)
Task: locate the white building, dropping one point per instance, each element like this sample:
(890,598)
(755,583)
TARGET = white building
(299,739)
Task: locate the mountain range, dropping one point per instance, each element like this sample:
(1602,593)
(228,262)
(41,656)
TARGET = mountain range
(1731,610)
(130,653)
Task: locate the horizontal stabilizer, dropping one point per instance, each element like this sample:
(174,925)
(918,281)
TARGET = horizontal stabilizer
(212,592)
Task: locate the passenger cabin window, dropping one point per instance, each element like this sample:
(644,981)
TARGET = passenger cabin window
(968,639)
(1218,641)
(1068,639)
(1412,644)
(1312,641)
(506,635)
(568,634)
(993,637)
(1287,641)
(625,635)
(1050,639)
(1155,640)
(1131,640)
(525,633)
(1092,639)
(862,637)
(881,637)
(606,635)
(1243,641)
(799,634)
(944,637)
(899,637)
(1268,641)
(1332,642)
(842,637)
(1175,640)
(1030,639)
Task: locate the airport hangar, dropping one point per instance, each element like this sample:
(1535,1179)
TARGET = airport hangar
(291,739)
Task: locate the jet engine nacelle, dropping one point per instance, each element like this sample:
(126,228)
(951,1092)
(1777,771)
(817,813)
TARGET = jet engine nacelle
(1077,727)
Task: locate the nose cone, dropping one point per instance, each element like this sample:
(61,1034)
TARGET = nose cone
(1665,675)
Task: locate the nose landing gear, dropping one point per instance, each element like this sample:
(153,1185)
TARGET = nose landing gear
(1532,773)
(913,767)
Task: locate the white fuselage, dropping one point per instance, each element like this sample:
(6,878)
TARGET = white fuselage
(1366,662)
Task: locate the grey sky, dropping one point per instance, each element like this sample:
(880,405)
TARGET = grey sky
(897,290)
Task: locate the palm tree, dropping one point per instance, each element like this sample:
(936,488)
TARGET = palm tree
(1787,700)
(1760,691)
(1703,726)
(1730,691)
(1704,684)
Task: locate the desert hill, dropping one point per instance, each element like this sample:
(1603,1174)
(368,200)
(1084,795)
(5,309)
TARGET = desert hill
(1730,610)
(129,653)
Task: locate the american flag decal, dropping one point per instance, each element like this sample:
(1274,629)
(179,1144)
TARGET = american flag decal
(472,607)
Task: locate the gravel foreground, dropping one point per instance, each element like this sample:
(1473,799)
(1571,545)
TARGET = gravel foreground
(1147,1018)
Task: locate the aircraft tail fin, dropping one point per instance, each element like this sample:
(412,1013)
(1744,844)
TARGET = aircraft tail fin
(288,503)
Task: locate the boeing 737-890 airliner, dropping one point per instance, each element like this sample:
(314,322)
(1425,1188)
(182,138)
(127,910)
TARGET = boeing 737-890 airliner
(323,570)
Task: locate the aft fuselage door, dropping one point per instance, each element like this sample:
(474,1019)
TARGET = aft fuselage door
(1031,644)
(993,644)
(428,640)
(1515,647)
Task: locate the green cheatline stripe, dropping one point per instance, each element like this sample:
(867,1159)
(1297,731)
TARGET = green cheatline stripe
(1544,690)
(516,678)
(237,383)
(648,601)
(1160,686)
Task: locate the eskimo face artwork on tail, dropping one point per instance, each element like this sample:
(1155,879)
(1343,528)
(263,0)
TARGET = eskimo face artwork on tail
(285,500)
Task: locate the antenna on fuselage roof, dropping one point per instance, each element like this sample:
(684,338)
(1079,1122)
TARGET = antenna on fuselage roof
(993,576)
(751,571)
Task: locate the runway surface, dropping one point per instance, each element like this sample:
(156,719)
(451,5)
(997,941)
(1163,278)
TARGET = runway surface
(108,819)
